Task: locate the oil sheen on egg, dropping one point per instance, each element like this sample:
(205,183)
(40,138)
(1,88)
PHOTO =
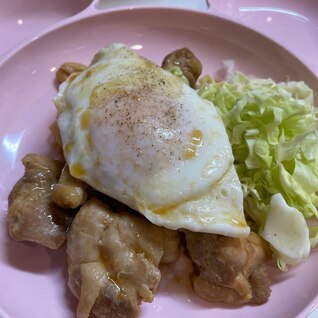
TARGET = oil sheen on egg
(139,134)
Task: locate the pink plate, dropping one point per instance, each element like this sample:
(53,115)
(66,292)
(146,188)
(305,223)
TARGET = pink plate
(32,277)
(20,19)
(292,23)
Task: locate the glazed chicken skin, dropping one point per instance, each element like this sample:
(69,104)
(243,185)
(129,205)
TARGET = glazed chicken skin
(113,260)
(230,269)
(69,193)
(188,63)
(32,215)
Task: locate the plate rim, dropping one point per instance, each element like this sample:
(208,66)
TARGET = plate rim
(91,14)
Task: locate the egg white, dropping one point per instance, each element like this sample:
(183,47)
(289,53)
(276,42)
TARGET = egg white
(139,134)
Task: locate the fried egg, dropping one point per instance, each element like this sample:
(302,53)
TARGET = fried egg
(137,133)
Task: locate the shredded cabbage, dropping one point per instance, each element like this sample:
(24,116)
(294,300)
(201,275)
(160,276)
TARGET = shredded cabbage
(272,128)
(176,70)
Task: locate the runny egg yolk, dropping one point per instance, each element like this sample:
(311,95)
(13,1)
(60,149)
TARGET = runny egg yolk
(196,141)
(85,120)
(77,170)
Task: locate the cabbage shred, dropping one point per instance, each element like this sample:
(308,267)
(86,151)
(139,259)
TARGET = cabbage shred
(273,130)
